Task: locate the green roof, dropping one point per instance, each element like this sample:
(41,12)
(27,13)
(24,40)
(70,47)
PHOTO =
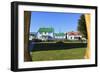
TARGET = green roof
(46,30)
(59,34)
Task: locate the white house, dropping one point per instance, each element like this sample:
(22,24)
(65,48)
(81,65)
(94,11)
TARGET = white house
(32,36)
(73,36)
(60,36)
(45,33)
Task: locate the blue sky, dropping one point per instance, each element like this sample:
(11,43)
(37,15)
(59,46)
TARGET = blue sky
(61,22)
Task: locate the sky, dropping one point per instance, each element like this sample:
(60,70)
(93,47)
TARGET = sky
(61,22)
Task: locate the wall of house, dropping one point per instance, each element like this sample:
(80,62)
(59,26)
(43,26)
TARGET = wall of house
(72,37)
(30,37)
(60,37)
(44,34)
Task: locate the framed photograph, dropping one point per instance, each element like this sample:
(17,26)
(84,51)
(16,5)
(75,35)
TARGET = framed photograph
(52,36)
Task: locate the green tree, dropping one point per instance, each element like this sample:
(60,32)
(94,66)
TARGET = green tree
(82,26)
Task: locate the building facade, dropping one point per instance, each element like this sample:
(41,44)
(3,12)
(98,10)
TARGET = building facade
(73,36)
(32,36)
(49,34)
(60,36)
(45,33)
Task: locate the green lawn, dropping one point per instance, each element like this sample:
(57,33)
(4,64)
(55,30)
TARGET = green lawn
(76,53)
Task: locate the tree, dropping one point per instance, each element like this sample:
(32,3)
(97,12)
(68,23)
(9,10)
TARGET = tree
(82,26)
(27,16)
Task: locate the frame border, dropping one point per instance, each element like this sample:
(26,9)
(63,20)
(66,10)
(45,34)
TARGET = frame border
(14,35)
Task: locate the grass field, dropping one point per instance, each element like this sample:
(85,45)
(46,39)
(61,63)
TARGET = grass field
(66,54)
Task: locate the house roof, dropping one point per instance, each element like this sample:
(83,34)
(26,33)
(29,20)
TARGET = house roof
(59,34)
(46,30)
(73,33)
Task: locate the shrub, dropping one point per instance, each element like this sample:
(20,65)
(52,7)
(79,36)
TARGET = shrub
(37,40)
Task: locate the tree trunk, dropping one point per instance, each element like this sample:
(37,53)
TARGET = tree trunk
(27,16)
(87,18)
